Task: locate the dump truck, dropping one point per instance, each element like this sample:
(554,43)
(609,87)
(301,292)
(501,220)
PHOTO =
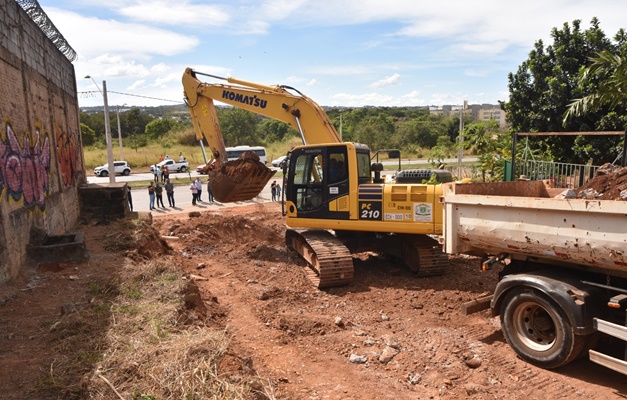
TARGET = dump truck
(563,282)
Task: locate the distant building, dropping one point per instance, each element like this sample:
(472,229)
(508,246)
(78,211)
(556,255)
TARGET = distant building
(478,112)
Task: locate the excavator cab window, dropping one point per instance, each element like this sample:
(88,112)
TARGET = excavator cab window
(308,177)
(337,165)
(363,167)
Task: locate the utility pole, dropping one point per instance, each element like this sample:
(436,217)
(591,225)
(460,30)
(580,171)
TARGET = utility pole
(108,134)
(110,162)
(120,134)
(460,152)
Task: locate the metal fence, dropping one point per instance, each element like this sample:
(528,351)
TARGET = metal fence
(557,174)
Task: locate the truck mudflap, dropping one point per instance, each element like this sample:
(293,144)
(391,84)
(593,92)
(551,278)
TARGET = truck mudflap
(239,180)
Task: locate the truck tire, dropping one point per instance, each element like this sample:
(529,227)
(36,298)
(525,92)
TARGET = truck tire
(126,172)
(104,174)
(183,169)
(538,329)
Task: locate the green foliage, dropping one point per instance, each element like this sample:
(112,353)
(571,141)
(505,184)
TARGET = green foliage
(88,135)
(444,148)
(271,130)
(239,127)
(137,141)
(493,148)
(159,127)
(546,84)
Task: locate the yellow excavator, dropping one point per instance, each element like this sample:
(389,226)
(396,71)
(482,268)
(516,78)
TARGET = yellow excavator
(335,199)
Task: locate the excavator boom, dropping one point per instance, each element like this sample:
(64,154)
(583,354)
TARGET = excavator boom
(230,181)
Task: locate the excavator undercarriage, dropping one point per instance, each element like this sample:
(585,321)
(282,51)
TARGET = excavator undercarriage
(330,260)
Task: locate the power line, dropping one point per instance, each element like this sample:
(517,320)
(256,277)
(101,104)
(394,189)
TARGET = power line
(128,94)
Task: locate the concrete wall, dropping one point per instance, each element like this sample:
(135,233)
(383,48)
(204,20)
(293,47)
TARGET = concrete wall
(41,159)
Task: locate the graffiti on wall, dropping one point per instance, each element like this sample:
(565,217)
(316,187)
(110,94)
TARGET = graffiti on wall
(24,167)
(68,155)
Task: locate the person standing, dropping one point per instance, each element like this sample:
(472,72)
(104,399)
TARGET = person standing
(159,174)
(209,191)
(199,189)
(159,195)
(129,197)
(154,171)
(278,192)
(151,195)
(166,173)
(194,190)
(273,190)
(169,190)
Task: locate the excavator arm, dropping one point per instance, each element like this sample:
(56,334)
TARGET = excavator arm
(244,179)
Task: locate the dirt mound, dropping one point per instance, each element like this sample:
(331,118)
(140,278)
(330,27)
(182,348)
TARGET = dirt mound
(608,183)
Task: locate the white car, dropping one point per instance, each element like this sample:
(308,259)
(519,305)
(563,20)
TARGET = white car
(279,162)
(121,168)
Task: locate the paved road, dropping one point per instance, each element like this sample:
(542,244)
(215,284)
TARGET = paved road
(183,196)
(183,200)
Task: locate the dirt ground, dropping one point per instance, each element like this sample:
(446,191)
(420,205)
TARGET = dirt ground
(389,335)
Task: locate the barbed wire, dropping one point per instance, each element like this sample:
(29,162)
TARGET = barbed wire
(35,12)
(98,94)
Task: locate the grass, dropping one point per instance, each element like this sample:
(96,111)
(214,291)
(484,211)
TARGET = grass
(136,337)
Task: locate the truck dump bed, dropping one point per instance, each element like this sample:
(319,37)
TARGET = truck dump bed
(520,218)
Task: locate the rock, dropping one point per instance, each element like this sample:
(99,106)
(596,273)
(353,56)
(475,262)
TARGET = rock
(201,266)
(623,195)
(414,379)
(588,194)
(55,326)
(474,362)
(567,194)
(384,317)
(339,322)
(390,341)
(388,354)
(357,359)
(473,388)
(68,309)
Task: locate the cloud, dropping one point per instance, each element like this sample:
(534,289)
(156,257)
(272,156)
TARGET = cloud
(387,81)
(181,12)
(91,36)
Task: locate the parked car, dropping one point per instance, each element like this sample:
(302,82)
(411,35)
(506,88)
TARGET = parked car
(173,166)
(121,168)
(279,162)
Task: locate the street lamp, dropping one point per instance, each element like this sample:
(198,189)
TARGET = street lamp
(107,129)
(120,132)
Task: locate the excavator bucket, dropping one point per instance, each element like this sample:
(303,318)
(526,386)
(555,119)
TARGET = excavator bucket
(239,180)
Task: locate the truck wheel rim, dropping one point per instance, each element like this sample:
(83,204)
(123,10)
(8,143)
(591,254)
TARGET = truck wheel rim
(534,326)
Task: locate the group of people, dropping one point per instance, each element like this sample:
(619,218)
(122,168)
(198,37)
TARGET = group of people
(155,195)
(161,174)
(275,188)
(196,189)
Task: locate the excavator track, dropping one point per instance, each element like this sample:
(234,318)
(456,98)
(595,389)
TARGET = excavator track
(424,256)
(330,262)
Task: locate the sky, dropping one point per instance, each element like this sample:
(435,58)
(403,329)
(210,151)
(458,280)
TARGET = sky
(347,53)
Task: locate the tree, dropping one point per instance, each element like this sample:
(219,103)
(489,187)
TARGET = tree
(239,127)
(159,127)
(492,145)
(607,78)
(88,135)
(544,86)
